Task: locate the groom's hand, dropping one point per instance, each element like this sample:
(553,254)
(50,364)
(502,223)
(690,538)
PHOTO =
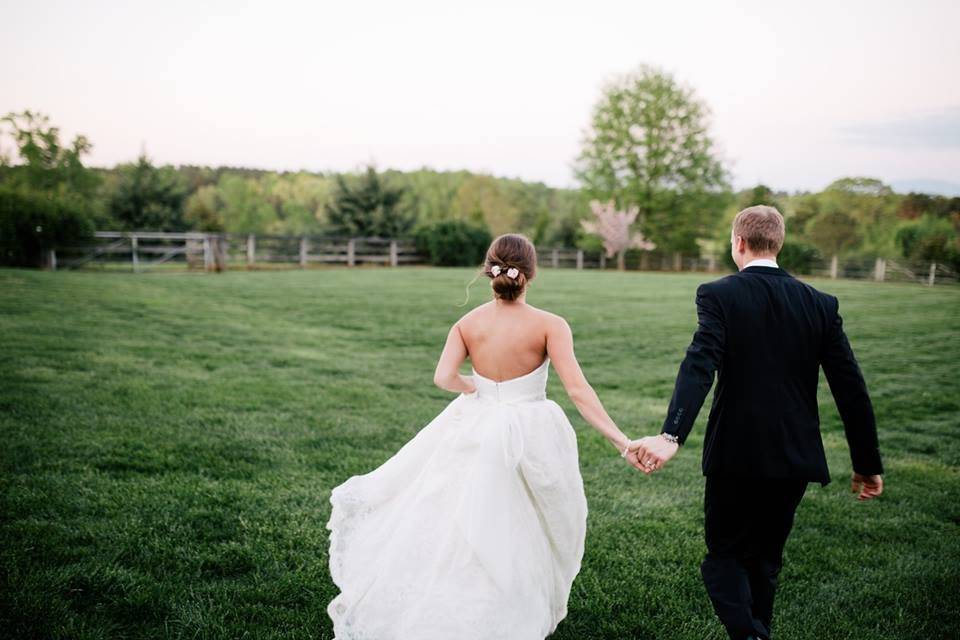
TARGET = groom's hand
(653,452)
(867,486)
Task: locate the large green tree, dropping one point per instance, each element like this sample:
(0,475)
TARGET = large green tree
(428,194)
(146,197)
(245,208)
(929,238)
(368,206)
(648,146)
(46,193)
(203,208)
(835,232)
(760,194)
(299,200)
(870,204)
(486,201)
(45,163)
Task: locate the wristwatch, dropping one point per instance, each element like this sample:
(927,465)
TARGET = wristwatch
(669,437)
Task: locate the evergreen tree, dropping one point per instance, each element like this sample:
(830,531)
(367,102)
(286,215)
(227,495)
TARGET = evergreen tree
(146,197)
(368,206)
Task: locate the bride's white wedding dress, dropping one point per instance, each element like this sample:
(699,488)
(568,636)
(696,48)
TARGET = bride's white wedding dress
(474,529)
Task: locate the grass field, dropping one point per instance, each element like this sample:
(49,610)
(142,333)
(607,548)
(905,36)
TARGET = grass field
(169,442)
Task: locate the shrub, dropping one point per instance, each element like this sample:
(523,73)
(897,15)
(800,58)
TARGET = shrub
(453,243)
(929,239)
(798,257)
(32,222)
(795,257)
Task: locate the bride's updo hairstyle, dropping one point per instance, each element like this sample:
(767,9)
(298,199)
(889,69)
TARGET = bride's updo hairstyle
(510,264)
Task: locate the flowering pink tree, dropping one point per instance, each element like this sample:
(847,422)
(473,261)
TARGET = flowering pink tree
(613,227)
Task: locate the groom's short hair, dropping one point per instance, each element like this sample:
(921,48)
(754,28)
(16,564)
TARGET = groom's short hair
(761,227)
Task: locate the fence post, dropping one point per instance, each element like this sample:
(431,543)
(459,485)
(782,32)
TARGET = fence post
(878,270)
(677,262)
(711,263)
(555,258)
(351,252)
(834,267)
(207,258)
(251,250)
(52,259)
(220,252)
(134,254)
(603,259)
(579,259)
(303,251)
(933,274)
(394,255)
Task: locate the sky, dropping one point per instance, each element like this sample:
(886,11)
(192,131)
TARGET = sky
(800,93)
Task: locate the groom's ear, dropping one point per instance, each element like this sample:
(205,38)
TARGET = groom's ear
(739,244)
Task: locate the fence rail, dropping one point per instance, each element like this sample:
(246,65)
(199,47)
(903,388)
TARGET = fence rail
(145,250)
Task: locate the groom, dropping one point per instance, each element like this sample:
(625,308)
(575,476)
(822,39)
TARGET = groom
(766,335)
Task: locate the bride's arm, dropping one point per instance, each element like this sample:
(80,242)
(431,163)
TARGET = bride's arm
(560,350)
(447,376)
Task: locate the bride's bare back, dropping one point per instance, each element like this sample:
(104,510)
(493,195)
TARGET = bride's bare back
(505,340)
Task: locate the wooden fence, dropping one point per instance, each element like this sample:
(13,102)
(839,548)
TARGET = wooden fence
(144,250)
(560,257)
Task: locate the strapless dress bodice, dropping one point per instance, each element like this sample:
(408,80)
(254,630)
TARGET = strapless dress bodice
(530,387)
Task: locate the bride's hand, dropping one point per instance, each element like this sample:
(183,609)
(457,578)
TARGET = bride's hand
(653,452)
(631,455)
(469,388)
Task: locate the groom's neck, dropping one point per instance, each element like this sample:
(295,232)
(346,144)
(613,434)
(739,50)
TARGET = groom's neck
(749,257)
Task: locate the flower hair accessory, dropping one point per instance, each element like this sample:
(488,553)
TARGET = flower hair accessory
(512,272)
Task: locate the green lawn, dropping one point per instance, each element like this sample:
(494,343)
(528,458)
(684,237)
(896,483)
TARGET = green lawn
(170,441)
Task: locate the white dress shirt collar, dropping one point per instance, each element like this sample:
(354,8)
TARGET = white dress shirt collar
(762,262)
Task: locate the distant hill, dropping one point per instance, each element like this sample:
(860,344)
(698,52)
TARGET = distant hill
(933,187)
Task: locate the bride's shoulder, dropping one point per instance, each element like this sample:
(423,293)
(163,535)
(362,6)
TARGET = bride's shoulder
(549,319)
(475,313)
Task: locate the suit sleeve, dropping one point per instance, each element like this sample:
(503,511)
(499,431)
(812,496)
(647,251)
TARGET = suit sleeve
(853,402)
(703,358)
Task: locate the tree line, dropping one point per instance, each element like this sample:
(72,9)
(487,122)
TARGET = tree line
(647,151)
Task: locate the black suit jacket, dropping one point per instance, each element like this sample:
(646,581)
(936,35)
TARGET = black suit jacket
(766,335)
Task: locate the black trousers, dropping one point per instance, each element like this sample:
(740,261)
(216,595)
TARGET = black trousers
(747,521)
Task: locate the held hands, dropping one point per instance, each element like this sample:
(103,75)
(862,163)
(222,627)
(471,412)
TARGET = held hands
(631,455)
(867,486)
(651,453)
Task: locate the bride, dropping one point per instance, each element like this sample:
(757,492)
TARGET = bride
(475,528)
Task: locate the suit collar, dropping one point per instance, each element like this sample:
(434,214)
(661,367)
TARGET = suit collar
(770,271)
